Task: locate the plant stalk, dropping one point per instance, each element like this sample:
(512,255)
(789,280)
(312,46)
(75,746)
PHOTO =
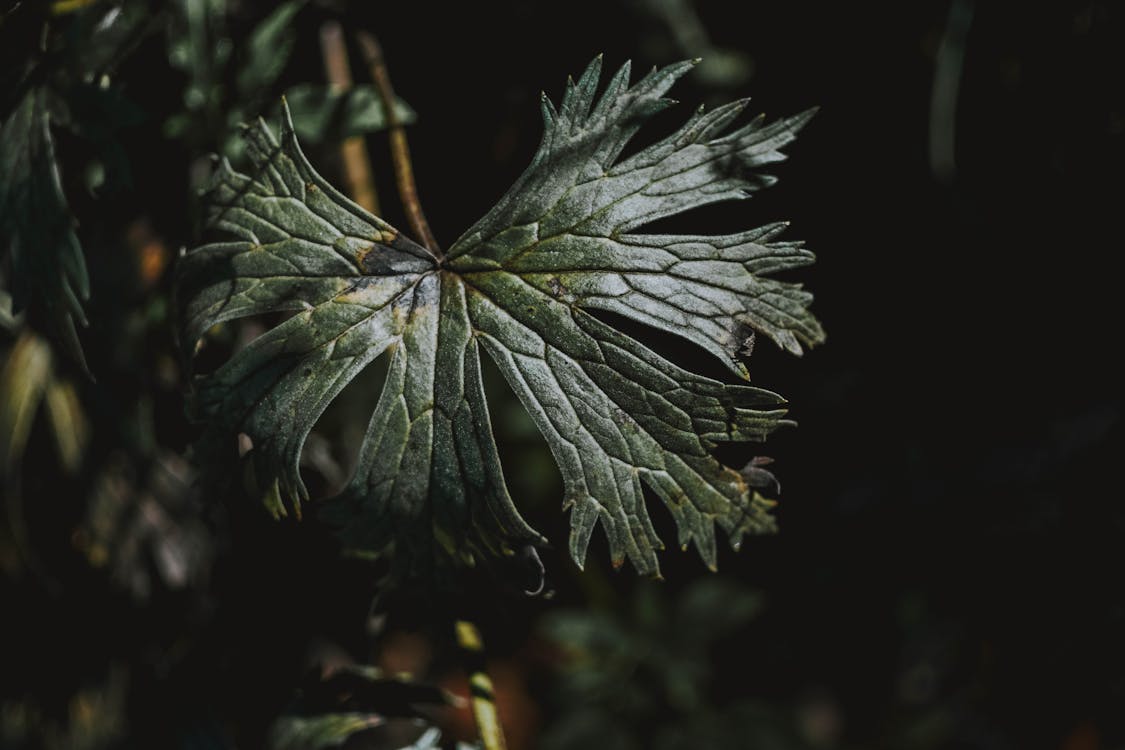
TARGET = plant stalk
(400,150)
(481,693)
(353,150)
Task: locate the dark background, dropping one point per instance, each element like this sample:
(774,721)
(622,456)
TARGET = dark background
(949,568)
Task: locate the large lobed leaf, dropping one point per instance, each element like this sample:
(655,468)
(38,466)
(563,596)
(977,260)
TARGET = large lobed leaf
(616,415)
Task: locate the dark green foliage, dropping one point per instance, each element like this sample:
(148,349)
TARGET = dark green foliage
(198,45)
(952,497)
(226,88)
(65,83)
(36,227)
(322,114)
(392,711)
(642,677)
(616,415)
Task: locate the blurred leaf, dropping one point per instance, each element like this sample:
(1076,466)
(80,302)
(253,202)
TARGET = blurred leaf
(714,607)
(9,321)
(429,741)
(102,116)
(23,379)
(315,732)
(104,33)
(641,677)
(68,423)
(354,699)
(177,125)
(267,51)
(719,67)
(94,717)
(322,114)
(36,228)
(369,688)
(142,525)
(193,37)
(333,730)
(199,46)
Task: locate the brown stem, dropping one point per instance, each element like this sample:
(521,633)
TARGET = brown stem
(353,150)
(400,151)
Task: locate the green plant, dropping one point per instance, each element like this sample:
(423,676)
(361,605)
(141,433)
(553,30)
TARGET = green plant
(641,675)
(519,285)
(532,283)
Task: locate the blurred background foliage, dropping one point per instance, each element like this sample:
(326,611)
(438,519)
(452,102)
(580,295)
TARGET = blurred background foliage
(949,568)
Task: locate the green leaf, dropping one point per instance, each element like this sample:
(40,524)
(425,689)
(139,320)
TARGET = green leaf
(198,45)
(645,668)
(23,381)
(36,228)
(428,741)
(333,730)
(321,113)
(317,732)
(354,699)
(268,50)
(617,416)
(103,34)
(565,227)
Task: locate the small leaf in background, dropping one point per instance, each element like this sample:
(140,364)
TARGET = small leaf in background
(198,45)
(642,676)
(143,527)
(267,51)
(68,423)
(36,228)
(315,732)
(23,379)
(321,114)
(429,484)
(684,31)
(712,608)
(103,116)
(104,34)
(27,380)
(94,716)
(354,699)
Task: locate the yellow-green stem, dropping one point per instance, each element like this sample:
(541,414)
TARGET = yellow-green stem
(481,693)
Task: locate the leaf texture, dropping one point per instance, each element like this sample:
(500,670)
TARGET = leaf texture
(617,416)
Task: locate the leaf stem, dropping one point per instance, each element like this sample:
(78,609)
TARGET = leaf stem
(481,693)
(353,150)
(400,151)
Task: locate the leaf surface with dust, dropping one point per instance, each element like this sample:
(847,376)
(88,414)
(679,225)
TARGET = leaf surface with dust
(566,239)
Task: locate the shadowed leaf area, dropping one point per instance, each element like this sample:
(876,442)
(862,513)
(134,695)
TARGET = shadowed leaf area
(518,284)
(356,699)
(36,227)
